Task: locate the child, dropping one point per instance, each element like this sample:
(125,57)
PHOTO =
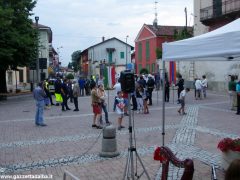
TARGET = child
(145,97)
(139,99)
(182,100)
(119,101)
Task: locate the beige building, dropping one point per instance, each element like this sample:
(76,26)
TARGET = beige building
(210,15)
(20,80)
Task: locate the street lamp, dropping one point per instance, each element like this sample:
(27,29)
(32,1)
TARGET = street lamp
(126,51)
(37,60)
(58,63)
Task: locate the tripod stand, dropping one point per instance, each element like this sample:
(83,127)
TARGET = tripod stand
(129,172)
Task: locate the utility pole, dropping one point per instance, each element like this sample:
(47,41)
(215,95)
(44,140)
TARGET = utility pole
(126,52)
(185,10)
(37,60)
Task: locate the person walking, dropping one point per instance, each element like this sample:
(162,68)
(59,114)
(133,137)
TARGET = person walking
(180,85)
(204,86)
(182,101)
(76,94)
(238,97)
(102,94)
(39,95)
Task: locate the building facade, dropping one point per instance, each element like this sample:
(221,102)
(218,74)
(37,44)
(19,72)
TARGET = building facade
(110,52)
(210,15)
(149,40)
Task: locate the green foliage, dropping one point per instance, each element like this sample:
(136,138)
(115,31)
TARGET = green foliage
(75,60)
(144,71)
(158,53)
(183,34)
(70,76)
(18,39)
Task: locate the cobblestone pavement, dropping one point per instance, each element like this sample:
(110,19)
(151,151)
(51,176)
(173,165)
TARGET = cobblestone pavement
(69,142)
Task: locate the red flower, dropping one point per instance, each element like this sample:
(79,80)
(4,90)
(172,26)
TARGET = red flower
(229,144)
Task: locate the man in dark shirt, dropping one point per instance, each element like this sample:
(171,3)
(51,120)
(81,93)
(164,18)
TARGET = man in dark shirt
(64,93)
(39,95)
(180,85)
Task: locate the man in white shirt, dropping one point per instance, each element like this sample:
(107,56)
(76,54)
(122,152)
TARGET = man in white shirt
(204,86)
(198,86)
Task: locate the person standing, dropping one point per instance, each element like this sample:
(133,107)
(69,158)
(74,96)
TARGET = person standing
(232,92)
(117,88)
(70,90)
(167,90)
(81,82)
(119,101)
(102,94)
(150,87)
(96,105)
(39,95)
(182,101)
(58,96)
(198,87)
(180,86)
(238,97)
(64,94)
(76,94)
(204,86)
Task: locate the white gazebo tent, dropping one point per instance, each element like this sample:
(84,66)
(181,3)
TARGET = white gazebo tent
(222,44)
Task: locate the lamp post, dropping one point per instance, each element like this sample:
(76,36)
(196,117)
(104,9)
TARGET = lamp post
(37,60)
(58,63)
(126,51)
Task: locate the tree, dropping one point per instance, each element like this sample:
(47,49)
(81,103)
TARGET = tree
(144,71)
(70,76)
(75,60)
(158,53)
(18,39)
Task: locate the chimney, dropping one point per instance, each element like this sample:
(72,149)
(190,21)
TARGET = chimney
(103,39)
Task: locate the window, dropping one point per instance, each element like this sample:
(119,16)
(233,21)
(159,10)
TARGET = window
(140,51)
(139,68)
(20,75)
(147,51)
(110,57)
(153,67)
(122,55)
(10,77)
(148,67)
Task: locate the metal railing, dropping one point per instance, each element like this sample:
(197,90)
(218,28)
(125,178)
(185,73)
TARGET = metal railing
(226,7)
(70,175)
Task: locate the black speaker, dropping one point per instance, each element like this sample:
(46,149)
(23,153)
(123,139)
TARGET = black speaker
(127,81)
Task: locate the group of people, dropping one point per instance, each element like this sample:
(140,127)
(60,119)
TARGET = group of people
(200,87)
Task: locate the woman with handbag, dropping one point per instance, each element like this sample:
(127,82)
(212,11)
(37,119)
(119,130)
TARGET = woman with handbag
(102,95)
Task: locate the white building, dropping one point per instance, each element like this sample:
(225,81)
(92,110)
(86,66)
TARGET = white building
(210,15)
(109,52)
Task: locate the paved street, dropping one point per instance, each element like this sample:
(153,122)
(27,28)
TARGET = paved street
(70,143)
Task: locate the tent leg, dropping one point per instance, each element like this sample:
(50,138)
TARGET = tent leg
(163,104)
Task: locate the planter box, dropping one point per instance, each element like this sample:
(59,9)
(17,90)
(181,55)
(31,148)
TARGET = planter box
(228,157)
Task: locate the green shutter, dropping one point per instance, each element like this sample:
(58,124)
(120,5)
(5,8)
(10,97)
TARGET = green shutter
(122,55)
(139,68)
(140,51)
(110,57)
(148,67)
(147,50)
(153,67)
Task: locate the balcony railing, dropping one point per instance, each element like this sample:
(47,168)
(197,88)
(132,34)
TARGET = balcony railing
(227,7)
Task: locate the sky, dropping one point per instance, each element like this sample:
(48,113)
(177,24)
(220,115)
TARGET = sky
(79,24)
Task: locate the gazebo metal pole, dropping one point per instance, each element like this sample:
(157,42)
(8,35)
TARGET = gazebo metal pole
(163,104)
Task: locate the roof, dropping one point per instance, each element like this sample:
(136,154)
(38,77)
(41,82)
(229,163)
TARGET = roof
(166,30)
(43,27)
(110,40)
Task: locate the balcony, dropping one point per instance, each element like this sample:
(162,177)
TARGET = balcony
(228,8)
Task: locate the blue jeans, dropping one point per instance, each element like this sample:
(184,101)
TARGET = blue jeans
(39,112)
(104,108)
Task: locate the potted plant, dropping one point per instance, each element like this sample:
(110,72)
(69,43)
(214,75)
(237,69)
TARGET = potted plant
(230,150)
